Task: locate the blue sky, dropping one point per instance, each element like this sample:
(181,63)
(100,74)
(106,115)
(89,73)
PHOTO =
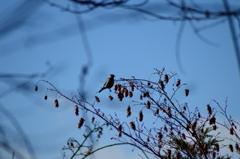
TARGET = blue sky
(126,47)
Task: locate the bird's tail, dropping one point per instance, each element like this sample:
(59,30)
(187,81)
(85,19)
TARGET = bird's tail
(101,90)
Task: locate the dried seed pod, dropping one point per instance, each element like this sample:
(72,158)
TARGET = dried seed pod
(162,84)
(115,87)
(231,131)
(93,118)
(130,94)
(140,116)
(125,92)
(236,146)
(187,127)
(216,146)
(165,128)
(56,103)
(212,120)
(132,125)
(70,144)
(159,136)
(132,86)
(119,87)
(199,115)
(110,97)
(148,104)
(36,88)
(148,140)
(97,99)
(178,82)
(146,94)
(163,110)
(120,134)
(80,123)
(186,92)
(214,127)
(171,133)
(120,128)
(193,126)
(231,147)
(128,110)
(45,97)
(141,97)
(120,96)
(209,109)
(183,136)
(148,83)
(166,78)
(169,112)
(184,108)
(156,112)
(76,110)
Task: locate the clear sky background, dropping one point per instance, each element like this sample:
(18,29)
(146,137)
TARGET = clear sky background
(122,42)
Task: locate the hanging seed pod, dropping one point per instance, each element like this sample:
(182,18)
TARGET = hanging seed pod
(125,92)
(45,97)
(120,96)
(163,110)
(132,86)
(212,120)
(56,103)
(70,144)
(80,123)
(165,128)
(132,125)
(97,99)
(231,131)
(159,136)
(169,112)
(171,133)
(115,87)
(36,88)
(148,83)
(178,82)
(148,105)
(120,134)
(156,112)
(169,154)
(119,87)
(214,127)
(140,116)
(236,146)
(76,110)
(146,94)
(216,146)
(120,128)
(193,126)
(141,97)
(199,115)
(162,84)
(209,109)
(110,97)
(93,118)
(128,110)
(183,136)
(186,92)
(187,127)
(231,147)
(148,140)
(184,108)
(166,78)
(130,94)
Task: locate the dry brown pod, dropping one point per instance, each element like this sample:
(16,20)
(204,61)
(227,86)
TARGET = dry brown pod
(132,125)
(186,92)
(140,116)
(56,103)
(80,123)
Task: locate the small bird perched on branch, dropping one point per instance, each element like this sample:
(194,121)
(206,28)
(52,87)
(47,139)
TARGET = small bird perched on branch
(108,84)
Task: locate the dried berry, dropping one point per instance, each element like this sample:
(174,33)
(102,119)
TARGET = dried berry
(76,110)
(186,92)
(132,125)
(80,123)
(56,103)
(45,97)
